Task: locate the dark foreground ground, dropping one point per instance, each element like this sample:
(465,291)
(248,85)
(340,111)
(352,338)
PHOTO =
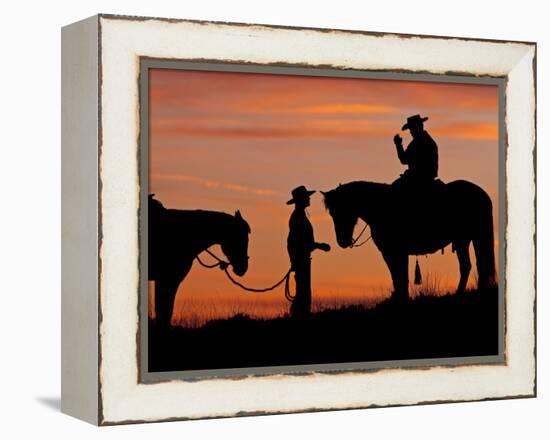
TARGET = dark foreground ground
(426,327)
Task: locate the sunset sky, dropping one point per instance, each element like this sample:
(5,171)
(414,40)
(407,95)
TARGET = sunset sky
(228,141)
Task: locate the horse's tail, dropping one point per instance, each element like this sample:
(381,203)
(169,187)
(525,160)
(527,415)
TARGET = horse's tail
(484,246)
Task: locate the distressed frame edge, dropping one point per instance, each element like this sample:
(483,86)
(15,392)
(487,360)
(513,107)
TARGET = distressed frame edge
(532,144)
(80,221)
(535,207)
(124,17)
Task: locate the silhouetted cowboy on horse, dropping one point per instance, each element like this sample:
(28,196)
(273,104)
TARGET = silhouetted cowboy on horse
(457,213)
(421,154)
(418,187)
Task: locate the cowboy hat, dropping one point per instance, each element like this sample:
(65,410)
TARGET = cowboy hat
(413,120)
(299,193)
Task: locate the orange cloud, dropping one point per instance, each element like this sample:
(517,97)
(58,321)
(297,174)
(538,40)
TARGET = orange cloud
(214,184)
(468,130)
(297,128)
(346,109)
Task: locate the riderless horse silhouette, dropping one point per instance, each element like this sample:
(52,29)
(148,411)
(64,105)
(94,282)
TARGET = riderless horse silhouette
(177,237)
(459,213)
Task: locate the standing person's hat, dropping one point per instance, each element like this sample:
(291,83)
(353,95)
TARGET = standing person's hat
(413,120)
(299,193)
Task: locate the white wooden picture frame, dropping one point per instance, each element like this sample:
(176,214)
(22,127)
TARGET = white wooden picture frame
(101,380)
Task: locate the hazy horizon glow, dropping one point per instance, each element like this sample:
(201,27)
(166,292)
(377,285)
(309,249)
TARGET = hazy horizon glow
(228,141)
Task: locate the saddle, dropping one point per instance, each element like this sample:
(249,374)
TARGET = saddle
(421,201)
(407,185)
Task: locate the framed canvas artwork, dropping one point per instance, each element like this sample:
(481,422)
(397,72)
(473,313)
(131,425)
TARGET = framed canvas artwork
(297,219)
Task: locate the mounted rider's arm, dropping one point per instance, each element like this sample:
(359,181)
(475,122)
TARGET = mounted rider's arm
(401,153)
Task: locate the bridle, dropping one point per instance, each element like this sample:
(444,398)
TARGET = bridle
(356,239)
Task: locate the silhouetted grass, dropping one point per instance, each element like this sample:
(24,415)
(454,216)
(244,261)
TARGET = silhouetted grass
(427,326)
(193,311)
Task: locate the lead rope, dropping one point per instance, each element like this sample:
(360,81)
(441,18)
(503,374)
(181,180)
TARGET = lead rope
(224,265)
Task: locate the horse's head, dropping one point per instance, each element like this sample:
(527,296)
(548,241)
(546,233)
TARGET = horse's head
(343,213)
(235,244)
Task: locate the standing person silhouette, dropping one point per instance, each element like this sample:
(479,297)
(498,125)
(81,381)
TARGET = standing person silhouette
(300,245)
(421,154)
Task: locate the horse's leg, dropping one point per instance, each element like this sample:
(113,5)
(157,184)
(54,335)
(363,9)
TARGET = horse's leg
(165,294)
(402,263)
(399,269)
(166,287)
(463,254)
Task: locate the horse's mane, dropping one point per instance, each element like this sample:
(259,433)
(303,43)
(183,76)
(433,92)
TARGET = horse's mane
(199,216)
(204,216)
(348,192)
(236,219)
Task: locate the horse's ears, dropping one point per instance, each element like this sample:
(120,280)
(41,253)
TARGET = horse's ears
(238,216)
(324,193)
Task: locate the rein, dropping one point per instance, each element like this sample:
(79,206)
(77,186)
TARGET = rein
(356,239)
(220,263)
(224,265)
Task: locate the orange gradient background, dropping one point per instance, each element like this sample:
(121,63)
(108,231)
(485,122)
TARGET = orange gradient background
(228,141)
